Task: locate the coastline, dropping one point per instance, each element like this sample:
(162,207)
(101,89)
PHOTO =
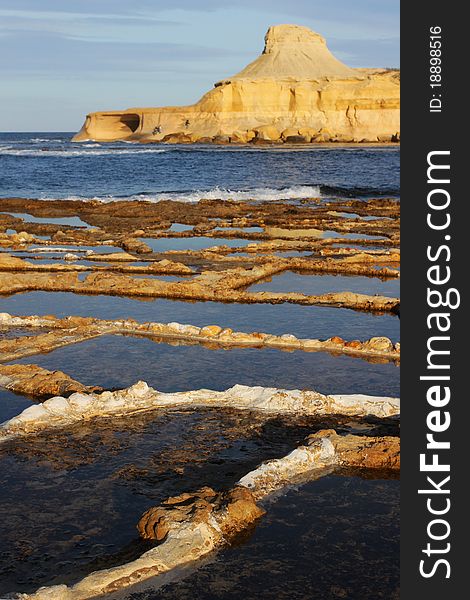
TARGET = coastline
(200,300)
(182,268)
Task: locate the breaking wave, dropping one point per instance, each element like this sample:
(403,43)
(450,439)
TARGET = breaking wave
(38,140)
(258,194)
(218,193)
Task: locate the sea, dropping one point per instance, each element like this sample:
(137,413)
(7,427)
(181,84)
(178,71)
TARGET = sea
(50,165)
(80,492)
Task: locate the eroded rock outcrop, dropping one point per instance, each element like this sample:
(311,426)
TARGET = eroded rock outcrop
(296,91)
(36,381)
(232,511)
(194,524)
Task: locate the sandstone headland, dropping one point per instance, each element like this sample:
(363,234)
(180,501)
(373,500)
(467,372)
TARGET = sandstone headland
(296,91)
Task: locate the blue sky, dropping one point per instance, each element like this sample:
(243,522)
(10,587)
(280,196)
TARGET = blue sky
(60,59)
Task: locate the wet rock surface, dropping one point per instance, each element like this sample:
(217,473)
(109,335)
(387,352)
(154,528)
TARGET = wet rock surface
(193,525)
(83,489)
(221,274)
(224,293)
(71,330)
(32,380)
(233,510)
(337,537)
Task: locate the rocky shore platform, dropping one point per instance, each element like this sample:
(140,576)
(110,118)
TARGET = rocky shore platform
(339,256)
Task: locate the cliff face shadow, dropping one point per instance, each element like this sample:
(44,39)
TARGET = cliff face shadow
(112,126)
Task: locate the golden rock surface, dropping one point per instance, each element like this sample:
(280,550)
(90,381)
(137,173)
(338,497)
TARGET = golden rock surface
(295,91)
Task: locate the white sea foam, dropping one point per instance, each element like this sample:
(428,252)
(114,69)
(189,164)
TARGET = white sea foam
(30,152)
(218,193)
(39,140)
(260,194)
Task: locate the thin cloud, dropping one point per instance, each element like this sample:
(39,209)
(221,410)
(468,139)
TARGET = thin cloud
(50,52)
(27,16)
(92,53)
(368,11)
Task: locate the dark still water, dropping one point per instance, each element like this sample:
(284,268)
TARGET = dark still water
(70,502)
(337,537)
(48,165)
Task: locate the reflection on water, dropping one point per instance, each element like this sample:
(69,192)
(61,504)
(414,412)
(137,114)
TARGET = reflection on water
(83,490)
(82,275)
(302,321)
(192,243)
(12,404)
(290,281)
(318,234)
(72,221)
(180,227)
(117,362)
(337,537)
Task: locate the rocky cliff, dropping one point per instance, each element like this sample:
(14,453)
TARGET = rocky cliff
(296,91)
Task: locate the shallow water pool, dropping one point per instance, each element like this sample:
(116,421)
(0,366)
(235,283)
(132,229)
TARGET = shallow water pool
(118,361)
(307,283)
(303,321)
(337,537)
(192,243)
(83,490)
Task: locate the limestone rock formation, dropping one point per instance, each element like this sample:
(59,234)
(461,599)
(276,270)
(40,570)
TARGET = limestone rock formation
(36,381)
(193,525)
(60,411)
(233,511)
(296,91)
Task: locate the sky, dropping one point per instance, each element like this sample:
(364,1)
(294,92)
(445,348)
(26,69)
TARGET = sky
(60,59)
